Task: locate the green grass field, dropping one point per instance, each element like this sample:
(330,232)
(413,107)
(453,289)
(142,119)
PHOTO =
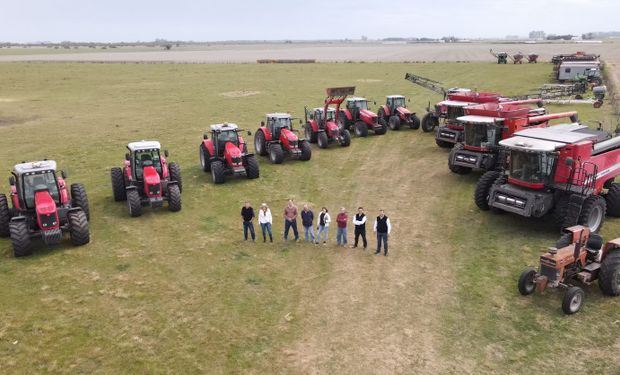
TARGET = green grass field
(182,293)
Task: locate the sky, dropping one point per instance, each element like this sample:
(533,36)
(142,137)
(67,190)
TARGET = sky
(141,20)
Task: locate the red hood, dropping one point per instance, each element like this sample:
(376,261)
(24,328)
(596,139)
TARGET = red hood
(288,134)
(232,150)
(403,111)
(44,203)
(368,113)
(151,177)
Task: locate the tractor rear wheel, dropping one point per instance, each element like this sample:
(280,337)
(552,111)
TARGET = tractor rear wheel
(174,198)
(204,158)
(361,129)
(481,195)
(415,122)
(609,276)
(80,199)
(346,138)
(394,123)
(5,217)
(429,122)
(276,154)
(118,184)
(322,140)
(612,198)
(306,151)
(251,168)
(20,236)
(78,228)
(260,145)
(593,213)
(175,174)
(458,169)
(217,172)
(573,300)
(134,203)
(309,133)
(526,282)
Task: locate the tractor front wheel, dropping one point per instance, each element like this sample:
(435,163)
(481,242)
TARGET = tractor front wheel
(175,174)
(20,236)
(260,145)
(415,122)
(573,300)
(252,168)
(80,199)
(382,128)
(5,217)
(609,276)
(458,169)
(346,138)
(134,203)
(78,228)
(276,154)
(483,187)
(527,283)
(217,172)
(361,129)
(174,198)
(118,184)
(429,122)
(322,140)
(593,213)
(306,151)
(204,158)
(394,123)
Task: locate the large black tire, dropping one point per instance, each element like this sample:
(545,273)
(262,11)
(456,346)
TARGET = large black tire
(276,154)
(251,168)
(564,240)
(217,172)
(306,151)
(415,122)
(526,282)
(118,184)
(78,228)
(204,158)
(20,236)
(593,213)
(134,203)
(322,140)
(79,198)
(609,275)
(382,129)
(573,300)
(481,195)
(174,198)
(444,144)
(360,128)
(394,122)
(560,210)
(612,198)
(429,122)
(458,169)
(260,146)
(346,138)
(175,174)
(309,133)
(5,217)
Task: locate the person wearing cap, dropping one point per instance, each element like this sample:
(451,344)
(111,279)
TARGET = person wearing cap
(383,228)
(265,220)
(247,213)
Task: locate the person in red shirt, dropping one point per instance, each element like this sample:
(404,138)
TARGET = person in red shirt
(341,233)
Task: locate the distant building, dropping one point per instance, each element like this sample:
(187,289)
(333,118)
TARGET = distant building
(538,34)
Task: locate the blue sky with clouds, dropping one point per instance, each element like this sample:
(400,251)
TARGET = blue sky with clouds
(131,20)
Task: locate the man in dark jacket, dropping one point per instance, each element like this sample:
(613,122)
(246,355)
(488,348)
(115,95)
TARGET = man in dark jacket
(359,220)
(382,227)
(247,213)
(307,220)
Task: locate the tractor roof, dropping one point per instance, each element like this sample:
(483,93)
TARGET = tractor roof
(395,97)
(357,99)
(278,115)
(224,127)
(34,166)
(143,145)
(330,109)
(479,119)
(551,138)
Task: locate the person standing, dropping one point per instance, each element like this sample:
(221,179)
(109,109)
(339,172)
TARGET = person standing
(247,213)
(383,228)
(307,220)
(322,226)
(290,220)
(359,220)
(341,234)
(265,220)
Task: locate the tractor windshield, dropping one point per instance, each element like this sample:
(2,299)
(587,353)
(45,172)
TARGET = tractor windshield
(358,104)
(399,102)
(33,182)
(146,158)
(227,136)
(481,134)
(532,167)
(453,112)
(283,122)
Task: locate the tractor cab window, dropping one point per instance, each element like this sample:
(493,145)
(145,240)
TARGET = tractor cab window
(146,158)
(532,167)
(279,123)
(225,137)
(331,115)
(357,105)
(454,112)
(31,183)
(398,102)
(481,134)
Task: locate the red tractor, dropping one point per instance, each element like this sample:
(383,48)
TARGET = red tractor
(226,153)
(277,139)
(147,179)
(323,125)
(43,208)
(356,116)
(485,125)
(395,113)
(579,256)
(562,170)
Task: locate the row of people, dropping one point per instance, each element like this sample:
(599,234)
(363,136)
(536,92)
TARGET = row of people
(382,226)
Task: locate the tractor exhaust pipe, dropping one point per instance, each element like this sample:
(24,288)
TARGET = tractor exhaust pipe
(553,116)
(538,102)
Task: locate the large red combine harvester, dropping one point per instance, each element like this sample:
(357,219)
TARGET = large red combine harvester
(485,125)
(563,169)
(324,125)
(43,208)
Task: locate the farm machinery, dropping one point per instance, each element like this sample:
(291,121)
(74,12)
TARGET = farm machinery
(277,139)
(226,153)
(557,60)
(323,125)
(396,114)
(561,170)
(579,256)
(147,179)
(43,207)
(485,125)
(357,117)
(502,57)
(532,58)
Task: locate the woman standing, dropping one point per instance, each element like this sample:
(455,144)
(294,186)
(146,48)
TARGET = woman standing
(265,220)
(322,223)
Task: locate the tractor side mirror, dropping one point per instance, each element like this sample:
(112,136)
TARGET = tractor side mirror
(166,153)
(262,124)
(127,156)
(408,100)
(12,180)
(375,103)
(569,161)
(249,132)
(205,136)
(63,174)
(300,122)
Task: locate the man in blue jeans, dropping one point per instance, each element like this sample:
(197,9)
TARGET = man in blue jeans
(290,220)
(247,213)
(383,228)
(307,220)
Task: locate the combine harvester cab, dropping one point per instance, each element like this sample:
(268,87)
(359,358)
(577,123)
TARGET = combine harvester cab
(323,125)
(563,170)
(147,179)
(357,117)
(278,139)
(43,208)
(395,113)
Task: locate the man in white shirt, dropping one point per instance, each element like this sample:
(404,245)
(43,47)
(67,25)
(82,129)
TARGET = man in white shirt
(359,220)
(382,227)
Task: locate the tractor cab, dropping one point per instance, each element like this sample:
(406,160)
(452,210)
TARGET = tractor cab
(452,109)
(321,117)
(142,155)
(32,178)
(278,121)
(481,131)
(395,101)
(355,105)
(224,134)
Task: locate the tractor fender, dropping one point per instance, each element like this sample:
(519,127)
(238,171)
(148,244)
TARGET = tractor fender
(15,197)
(208,144)
(64,195)
(314,125)
(127,170)
(18,218)
(131,187)
(386,110)
(266,132)
(242,146)
(346,114)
